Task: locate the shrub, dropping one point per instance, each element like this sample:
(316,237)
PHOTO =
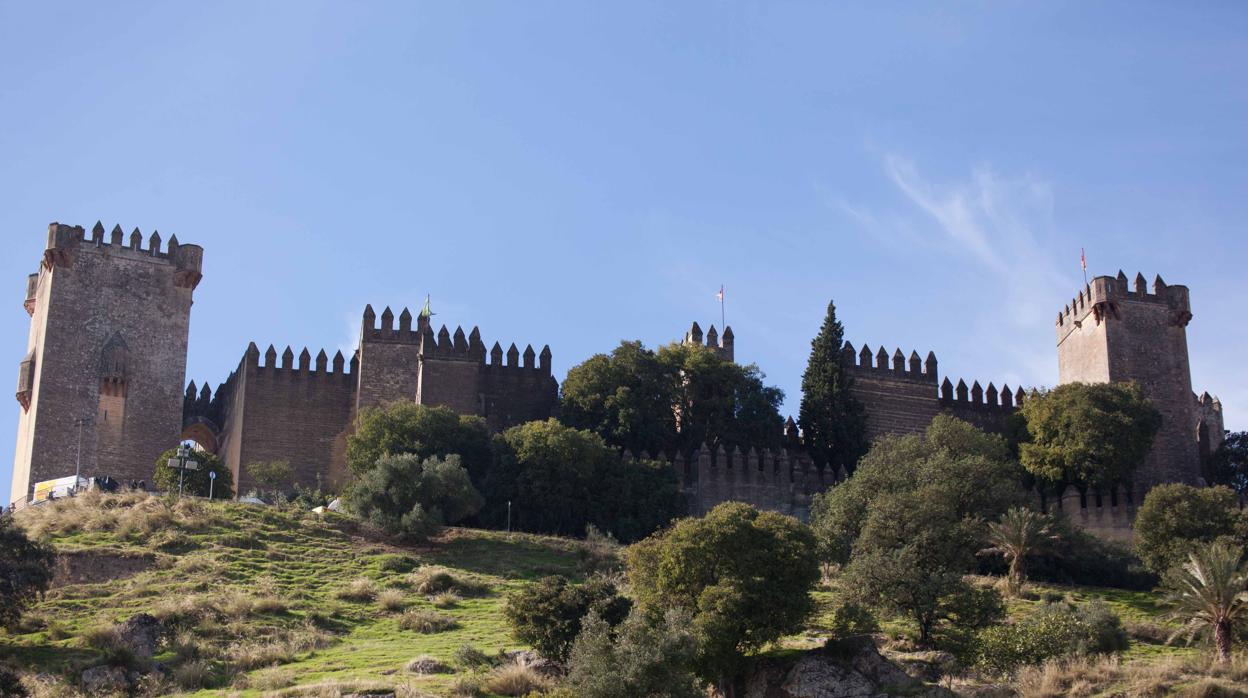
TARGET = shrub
(431,580)
(194,674)
(469,657)
(639,658)
(392,600)
(25,570)
(1083,559)
(360,589)
(445,599)
(396,563)
(467,687)
(413,497)
(1054,631)
(744,575)
(515,679)
(115,651)
(425,664)
(274,476)
(1174,516)
(426,622)
(11,685)
(547,614)
(851,619)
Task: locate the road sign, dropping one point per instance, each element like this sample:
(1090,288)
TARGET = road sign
(190,465)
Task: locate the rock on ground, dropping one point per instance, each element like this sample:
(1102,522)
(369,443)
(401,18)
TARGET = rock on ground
(851,668)
(141,633)
(105,679)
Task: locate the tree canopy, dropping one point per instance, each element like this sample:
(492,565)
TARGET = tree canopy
(967,470)
(560,479)
(906,525)
(832,421)
(195,482)
(1176,517)
(1095,434)
(1229,464)
(413,496)
(743,575)
(672,400)
(406,427)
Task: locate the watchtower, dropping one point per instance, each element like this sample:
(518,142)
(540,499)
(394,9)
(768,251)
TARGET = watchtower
(1118,331)
(108,336)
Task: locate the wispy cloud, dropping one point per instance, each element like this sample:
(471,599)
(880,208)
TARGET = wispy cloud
(1005,227)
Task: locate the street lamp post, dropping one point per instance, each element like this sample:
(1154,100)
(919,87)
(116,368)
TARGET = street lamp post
(183,462)
(80,423)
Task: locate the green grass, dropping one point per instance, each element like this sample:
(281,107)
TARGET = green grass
(261,587)
(295,562)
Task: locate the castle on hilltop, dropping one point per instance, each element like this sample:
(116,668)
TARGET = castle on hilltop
(102,383)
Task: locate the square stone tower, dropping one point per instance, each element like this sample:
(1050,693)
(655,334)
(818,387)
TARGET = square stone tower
(108,336)
(1113,332)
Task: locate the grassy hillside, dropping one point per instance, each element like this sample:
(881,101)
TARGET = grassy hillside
(254,586)
(273,601)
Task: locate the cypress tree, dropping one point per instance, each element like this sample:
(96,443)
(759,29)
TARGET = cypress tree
(832,421)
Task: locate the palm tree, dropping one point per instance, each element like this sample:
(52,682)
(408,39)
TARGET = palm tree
(1020,533)
(1209,593)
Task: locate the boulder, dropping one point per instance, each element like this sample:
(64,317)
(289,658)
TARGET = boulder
(533,660)
(105,679)
(851,668)
(141,633)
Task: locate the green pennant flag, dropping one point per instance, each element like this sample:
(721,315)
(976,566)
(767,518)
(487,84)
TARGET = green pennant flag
(425,312)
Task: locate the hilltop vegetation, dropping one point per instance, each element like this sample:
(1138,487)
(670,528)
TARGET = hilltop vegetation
(277,601)
(267,599)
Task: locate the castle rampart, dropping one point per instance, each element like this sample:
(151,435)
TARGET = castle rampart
(1118,331)
(107,350)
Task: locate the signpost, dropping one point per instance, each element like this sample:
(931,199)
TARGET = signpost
(183,463)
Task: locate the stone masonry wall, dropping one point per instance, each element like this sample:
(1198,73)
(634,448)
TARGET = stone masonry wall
(1113,332)
(109,328)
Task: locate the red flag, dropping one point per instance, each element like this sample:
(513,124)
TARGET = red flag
(720,295)
(1083,260)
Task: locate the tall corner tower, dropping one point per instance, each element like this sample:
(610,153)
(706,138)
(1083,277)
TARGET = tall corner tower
(1118,331)
(108,336)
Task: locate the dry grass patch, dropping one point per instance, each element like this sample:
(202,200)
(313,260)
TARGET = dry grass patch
(1194,676)
(283,650)
(360,589)
(445,599)
(515,679)
(426,622)
(392,600)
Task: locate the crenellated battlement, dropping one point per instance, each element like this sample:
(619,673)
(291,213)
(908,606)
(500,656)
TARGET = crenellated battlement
(898,366)
(323,368)
(1100,299)
(723,346)
(447,345)
(976,397)
(65,241)
(783,479)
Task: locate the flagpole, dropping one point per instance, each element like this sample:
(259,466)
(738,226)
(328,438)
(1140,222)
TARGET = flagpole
(723,324)
(1083,262)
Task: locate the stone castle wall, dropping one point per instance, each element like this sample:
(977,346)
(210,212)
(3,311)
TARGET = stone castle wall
(110,317)
(109,326)
(302,411)
(1113,332)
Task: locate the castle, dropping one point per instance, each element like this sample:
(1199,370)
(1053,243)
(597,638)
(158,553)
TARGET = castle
(106,361)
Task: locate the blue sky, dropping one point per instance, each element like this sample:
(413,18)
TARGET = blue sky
(581,173)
